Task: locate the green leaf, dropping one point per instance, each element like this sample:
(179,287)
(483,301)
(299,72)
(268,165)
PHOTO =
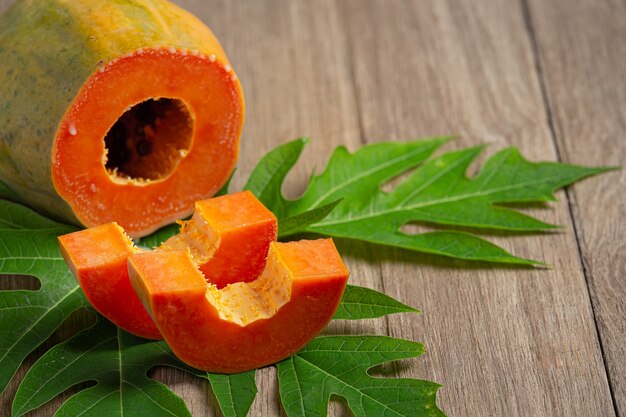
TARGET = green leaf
(363,303)
(437,192)
(339,365)
(300,221)
(158,237)
(353,177)
(7,193)
(356,174)
(28,246)
(440,192)
(16,216)
(117,361)
(235,393)
(268,176)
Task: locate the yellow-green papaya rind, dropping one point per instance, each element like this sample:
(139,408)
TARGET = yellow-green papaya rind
(49,50)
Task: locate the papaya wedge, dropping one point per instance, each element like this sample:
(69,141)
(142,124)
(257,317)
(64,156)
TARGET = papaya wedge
(243,326)
(98,258)
(228,236)
(115,111)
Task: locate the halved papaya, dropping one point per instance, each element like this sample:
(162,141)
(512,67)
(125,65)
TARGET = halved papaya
(245,325)
(115,111)
(228,236)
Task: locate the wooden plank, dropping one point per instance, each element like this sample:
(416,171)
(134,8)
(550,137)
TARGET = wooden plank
(582,51)
(502,342)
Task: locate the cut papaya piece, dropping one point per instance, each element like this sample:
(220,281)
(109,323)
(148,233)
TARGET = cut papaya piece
(245,325)
(115,111)
(98,259)
(228,236)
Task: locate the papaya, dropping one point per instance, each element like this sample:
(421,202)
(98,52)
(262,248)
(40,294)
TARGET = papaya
(228,237)
(98,258)
(115,111)
(245,325)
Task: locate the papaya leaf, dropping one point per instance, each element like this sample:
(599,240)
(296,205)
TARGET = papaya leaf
(268,176)
(158,237)
(16,216)
(7,193)
(28,246)
(117,361)
(371,166)
(437,192)
(235,393)
(291,225)
(360,303)
(339,365)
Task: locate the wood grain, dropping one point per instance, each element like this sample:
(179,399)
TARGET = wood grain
(582,51)
(509,342)
(501,342)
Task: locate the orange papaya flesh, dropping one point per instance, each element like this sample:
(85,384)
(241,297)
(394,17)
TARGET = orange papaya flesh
(98,259)
(115,111)
(245,325)
(98,256)
(228,237)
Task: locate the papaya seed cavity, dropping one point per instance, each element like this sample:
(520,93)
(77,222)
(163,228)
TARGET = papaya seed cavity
(148,141)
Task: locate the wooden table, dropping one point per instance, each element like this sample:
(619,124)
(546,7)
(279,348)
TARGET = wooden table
(546,76)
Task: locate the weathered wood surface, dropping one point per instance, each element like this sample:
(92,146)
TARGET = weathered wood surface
(582,59)
(547,77)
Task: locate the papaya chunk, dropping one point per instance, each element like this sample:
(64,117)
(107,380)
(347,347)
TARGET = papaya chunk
(98,259)
(228,236)
(243,326)
(134,111)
